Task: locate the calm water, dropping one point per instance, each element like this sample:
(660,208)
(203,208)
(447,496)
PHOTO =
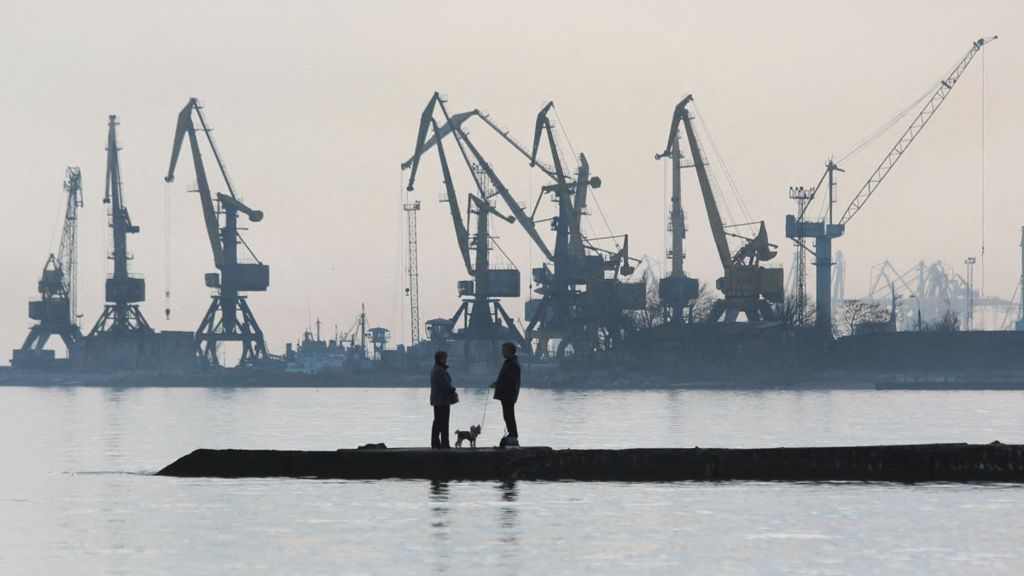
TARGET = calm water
(76,494)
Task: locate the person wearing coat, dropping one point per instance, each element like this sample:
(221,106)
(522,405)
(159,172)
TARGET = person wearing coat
(442,395)
(506,390)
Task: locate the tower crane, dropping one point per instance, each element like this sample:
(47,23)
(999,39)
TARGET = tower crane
(746,286)
(221,323)
(121,313)
(824,231)
(56,312)
(484,318)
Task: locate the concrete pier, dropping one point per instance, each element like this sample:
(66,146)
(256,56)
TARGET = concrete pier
(902,463)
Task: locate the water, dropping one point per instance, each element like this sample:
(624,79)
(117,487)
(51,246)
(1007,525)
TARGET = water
(77,495)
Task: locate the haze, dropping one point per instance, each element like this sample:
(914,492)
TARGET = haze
(315,105)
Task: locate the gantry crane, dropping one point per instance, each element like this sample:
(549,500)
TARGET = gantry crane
(484,318)
(121,313)
(56,311)
(746,286)
(221,322)
(824,231)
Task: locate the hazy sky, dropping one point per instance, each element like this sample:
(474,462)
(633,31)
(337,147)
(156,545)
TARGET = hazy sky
(315,105)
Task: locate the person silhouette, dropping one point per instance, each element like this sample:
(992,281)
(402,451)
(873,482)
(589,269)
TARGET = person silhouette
(506,390)
(442,396)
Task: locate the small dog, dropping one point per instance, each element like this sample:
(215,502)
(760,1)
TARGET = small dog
(462,435)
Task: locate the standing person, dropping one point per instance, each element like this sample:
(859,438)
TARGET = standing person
(506,389)
(442,396)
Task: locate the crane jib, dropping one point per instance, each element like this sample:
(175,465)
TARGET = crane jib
(908,136)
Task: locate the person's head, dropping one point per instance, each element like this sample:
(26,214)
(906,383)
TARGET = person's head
(508,349)
(440,357)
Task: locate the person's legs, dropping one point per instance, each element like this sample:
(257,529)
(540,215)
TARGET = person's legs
(446,412)
(435,428)
(508,411)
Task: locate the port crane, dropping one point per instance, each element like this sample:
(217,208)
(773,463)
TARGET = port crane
(222,323)
(582,298)
(580,320)
(799,228)
(484,318)
(747,286)
(121,313)
(56,311)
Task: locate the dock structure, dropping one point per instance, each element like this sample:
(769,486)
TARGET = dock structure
(900,463)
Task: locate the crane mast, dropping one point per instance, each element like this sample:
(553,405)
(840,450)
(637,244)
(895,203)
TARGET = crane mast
(221,322)
(121,313)
(823,232)
(56,310)
(411,208)
(676,291)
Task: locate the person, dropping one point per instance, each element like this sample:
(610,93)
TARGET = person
(442,394)
(506,390)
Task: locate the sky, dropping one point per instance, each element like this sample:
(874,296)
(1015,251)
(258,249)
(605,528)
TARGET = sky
(314,106)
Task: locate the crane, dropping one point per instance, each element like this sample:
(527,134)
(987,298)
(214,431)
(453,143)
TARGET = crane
(412,246)
(56,311)
(747,286)
(121,313)
(581,320)
(798,228)
(221,323)
(485,319)
(576,318)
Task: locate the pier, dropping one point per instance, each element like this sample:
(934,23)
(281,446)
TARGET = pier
(900,463)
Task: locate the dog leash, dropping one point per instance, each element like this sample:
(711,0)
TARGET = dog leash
(484,419)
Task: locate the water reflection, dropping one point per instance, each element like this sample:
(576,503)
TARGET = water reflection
(508,519)
(439,494)
(440,525)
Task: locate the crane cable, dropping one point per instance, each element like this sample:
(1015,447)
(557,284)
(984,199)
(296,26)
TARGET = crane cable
(735,197)
(886,126)
(397,310)
(167,250)
(983,175)
(721,162)
(716,191)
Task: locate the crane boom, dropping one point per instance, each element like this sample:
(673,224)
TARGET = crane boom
(517,211)
(507,137)
(542,125)
(945,87)
(187,127)
(453,125)
(714,216)
(457,120)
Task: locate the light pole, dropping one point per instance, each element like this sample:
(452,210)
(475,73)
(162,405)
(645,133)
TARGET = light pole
(918,306)
(969,320)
